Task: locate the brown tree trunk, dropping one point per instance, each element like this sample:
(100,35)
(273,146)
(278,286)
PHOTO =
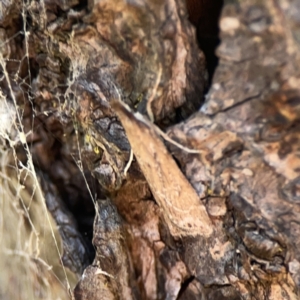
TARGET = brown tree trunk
(170,172)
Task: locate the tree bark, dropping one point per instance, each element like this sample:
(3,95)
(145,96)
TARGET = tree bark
(158,191)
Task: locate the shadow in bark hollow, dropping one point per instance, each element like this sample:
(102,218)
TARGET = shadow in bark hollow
(185,286)
(205,15)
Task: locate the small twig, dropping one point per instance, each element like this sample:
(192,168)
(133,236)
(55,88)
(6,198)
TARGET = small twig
(128,163)
(167,138)
(149,109)
(99,271)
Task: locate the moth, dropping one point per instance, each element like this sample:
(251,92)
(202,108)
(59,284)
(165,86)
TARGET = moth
(182,209)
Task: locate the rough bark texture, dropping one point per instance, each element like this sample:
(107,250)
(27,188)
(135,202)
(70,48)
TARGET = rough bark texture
(157,192)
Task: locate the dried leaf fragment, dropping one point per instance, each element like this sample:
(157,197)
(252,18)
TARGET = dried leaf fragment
(182,209)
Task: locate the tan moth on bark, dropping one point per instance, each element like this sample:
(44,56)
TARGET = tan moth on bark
(181,206)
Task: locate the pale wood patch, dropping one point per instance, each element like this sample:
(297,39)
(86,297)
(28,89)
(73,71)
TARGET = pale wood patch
(181,206)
